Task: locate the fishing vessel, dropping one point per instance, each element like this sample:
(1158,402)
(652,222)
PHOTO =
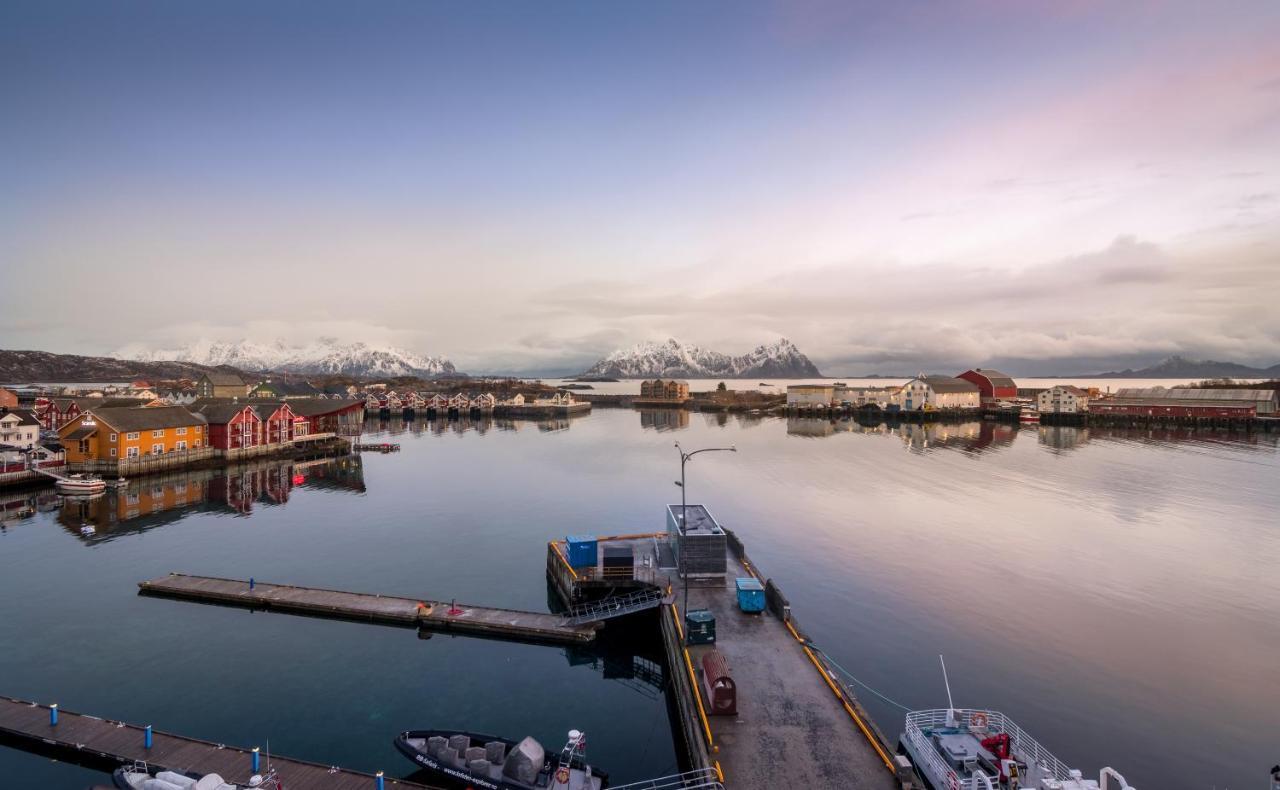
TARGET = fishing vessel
(1029,416)
(973,749)
(80,483)
(139,777)
(469,759)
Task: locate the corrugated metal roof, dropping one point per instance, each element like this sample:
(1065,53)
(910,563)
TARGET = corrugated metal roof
(1197,393)
(949,384)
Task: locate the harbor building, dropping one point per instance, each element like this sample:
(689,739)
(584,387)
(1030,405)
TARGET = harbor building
(8,399)
(1189,402)
(938,392)
(284,390)
(665,391)
(221,384)
(109,434)
(698,540)
(993,385)
(1062,399)
(810,395)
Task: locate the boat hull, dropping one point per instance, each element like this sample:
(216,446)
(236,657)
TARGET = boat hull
(453,776)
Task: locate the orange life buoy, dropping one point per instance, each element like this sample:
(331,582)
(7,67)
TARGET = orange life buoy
(562,776)
(978,721)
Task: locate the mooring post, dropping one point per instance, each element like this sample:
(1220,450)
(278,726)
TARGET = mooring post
(250,582)
(380,782)
(53,715)
(146,738)
(254,754)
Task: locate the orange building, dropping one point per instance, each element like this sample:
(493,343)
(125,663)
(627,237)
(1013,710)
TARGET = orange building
(111,434)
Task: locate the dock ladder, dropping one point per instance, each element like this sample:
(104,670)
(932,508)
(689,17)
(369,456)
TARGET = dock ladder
(702,779)
(615,606)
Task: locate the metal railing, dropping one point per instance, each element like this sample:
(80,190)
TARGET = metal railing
(701,779)
(996,723)
(616,606)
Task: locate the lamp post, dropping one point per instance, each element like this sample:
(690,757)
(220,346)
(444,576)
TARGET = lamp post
(682,533)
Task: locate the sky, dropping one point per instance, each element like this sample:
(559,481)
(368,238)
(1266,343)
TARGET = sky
(1060,187)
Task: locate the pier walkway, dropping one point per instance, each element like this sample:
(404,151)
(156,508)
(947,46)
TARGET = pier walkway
(113,743)
(384,609)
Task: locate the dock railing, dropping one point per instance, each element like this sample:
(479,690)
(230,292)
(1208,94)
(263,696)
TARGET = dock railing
(996,722)
(702,779)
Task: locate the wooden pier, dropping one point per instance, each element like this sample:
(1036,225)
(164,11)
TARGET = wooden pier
(419,613)
(108,744)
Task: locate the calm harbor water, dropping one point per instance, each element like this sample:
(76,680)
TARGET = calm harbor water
(1115,592)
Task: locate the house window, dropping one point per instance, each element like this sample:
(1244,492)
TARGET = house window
(113,452)
(131,452)
(158,434)
(84,445)
(180,445)
(132,435)
(181,431)
(157,449)
(113,437)
(196,443)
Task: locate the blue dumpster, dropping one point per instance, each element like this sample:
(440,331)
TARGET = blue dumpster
(750,595)
(582,551)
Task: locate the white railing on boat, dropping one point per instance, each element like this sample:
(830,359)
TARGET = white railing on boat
(996,723)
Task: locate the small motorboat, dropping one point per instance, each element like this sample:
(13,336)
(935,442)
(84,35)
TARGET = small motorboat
(139,777)
(80,483)
(1029,416)
(470,759)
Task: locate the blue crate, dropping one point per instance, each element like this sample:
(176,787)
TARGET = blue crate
(582,551)
(750,594)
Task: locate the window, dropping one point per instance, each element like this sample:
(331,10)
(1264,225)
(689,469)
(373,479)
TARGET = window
(84,445)
(181,431)
(132,435)
(157,449)
(180,445)
(131,452)
(113,437)
(113,452)
(158,434)
(196,443)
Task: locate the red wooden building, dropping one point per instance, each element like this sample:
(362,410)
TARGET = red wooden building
(232,426)
(277,422)
(992,384)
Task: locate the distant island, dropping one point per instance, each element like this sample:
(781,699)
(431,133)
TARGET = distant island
(1178,367)
(673,358)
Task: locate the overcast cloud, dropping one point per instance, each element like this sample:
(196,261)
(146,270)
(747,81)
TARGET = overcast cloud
(1054,187)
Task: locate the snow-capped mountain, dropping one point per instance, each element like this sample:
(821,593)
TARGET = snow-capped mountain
(324,356)
(673,358)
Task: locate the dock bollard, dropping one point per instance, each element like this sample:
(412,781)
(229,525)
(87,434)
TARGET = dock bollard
(255,759)
(146,737)
(379,781)
(53,715)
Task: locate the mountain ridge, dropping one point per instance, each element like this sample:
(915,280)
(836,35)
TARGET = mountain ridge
(780,359)
(1178,366)
(326,356)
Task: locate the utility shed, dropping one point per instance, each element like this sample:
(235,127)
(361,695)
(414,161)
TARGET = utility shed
(700,544)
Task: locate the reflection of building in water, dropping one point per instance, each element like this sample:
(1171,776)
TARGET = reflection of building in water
(1063,437)
(664,419)
(971,436)
(157,500)
(809,426)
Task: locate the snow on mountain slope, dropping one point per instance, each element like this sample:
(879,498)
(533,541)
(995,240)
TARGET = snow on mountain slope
(324,356)
(673,358)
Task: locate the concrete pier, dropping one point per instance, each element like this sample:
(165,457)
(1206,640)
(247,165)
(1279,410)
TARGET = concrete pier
(386,609)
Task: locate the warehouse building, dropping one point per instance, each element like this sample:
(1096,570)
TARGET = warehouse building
(992,384)
(1189,402)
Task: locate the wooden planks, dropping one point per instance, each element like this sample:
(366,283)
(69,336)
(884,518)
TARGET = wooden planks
(386,609)
(120,743)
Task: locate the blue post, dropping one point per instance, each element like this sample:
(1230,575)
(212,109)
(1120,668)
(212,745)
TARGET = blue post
(53,715)
(250,582)
(380,780)
(146,739)
(255,759)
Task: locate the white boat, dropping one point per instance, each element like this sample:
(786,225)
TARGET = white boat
(970,749)
(81,484)
(140,777)
(1028,415)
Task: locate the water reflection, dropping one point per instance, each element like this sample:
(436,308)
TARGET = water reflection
(1063,437)
(158,500)
(975,436)
(664,419)
(418,426)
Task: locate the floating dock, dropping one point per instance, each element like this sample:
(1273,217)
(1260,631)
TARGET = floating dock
(797,724)
(419,613)
(110,744)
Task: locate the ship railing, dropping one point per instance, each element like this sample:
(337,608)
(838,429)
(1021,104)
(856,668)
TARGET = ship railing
(701,779)
(996,722)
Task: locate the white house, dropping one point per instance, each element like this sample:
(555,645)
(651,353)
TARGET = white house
(938,392)
(803,395)
(1063,399)
(19,433)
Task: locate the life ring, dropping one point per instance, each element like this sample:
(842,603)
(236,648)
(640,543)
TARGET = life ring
(953,781)
(562,776)
(978,721)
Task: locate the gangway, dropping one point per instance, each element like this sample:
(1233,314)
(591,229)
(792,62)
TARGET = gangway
(615,606)
(701,779)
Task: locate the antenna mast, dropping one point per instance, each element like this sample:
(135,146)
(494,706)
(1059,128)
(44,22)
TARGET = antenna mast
(951,706)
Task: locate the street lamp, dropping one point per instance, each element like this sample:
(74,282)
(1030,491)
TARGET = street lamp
(683,530)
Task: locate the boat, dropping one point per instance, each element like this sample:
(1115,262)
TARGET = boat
(80,483)
(467,759)
(1028,416)
(88,530)
(139,777)
(971,749)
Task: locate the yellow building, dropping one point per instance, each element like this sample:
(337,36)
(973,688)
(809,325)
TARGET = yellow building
(117,433)
(664,389)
